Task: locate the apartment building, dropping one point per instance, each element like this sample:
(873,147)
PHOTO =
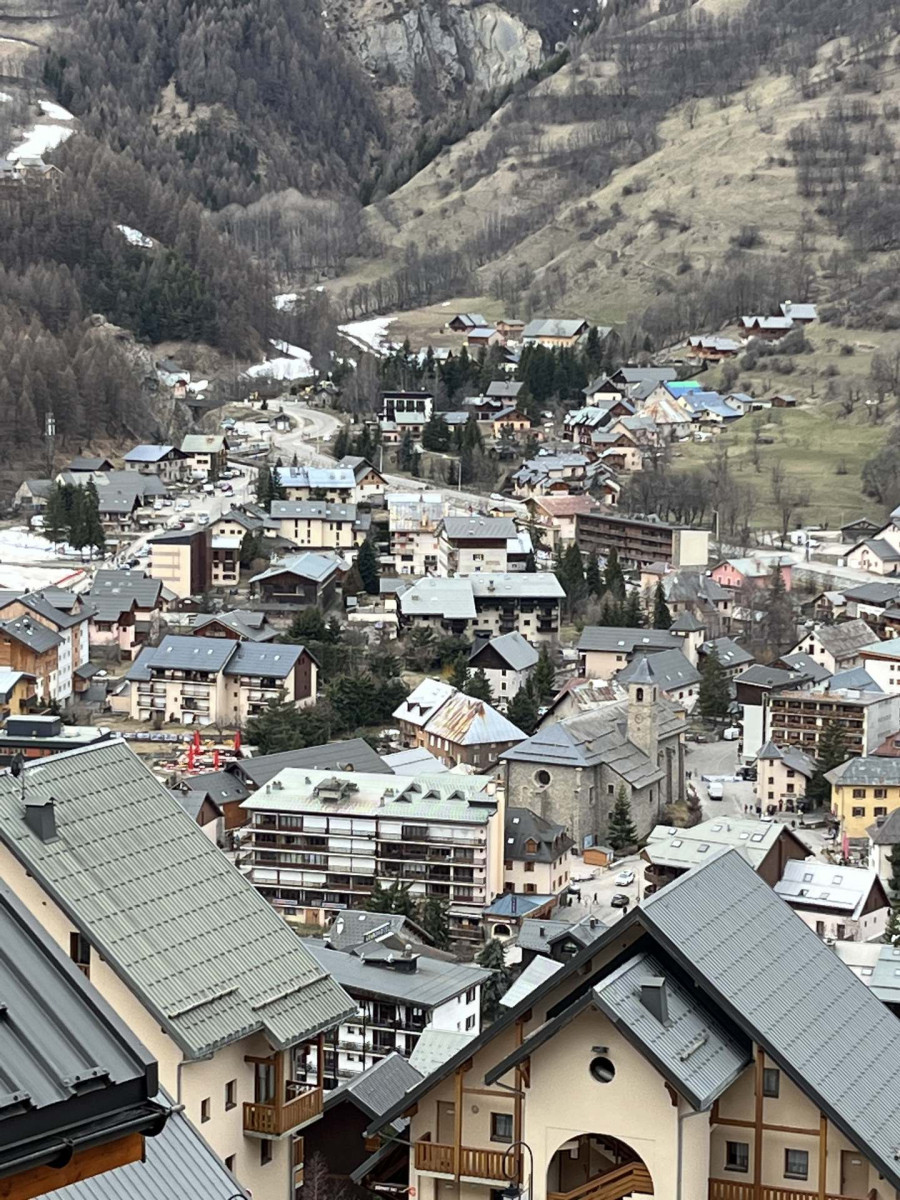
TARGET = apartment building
(639,542)
(168,462)
(555,517)
(205,454)
(537,854)
(399,993)
(837,647)
(882,662)
(213,983)
(782,774)
(23,617)
(485,605)
(181,560)
(798,718)
(317,525)
(319,841)
(126,610)
(415,407)
(27,646)
(468,545)
(353,481)
(204,680)
(681,1053)
(864,790)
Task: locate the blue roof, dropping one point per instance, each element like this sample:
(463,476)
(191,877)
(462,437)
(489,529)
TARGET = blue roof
(510,904)
(680,386)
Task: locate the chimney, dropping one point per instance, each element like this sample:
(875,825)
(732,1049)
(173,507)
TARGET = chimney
(41,820)
(655,998)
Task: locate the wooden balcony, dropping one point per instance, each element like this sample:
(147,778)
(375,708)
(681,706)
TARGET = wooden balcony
(612,1185)
(474,1163)
(735,1189)
(277,1120)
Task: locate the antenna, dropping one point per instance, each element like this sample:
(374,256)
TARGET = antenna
(17,767)
(50,438)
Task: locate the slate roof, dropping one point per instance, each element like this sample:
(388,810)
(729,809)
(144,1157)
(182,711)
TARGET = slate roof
(354,926)
(542,933)
(821,885)
(178,1165)
(317,567)
(806,664)
(197,945)
(221,786)
(869,771)
(354,754)
(769,677)
(244,622)
(84,462)
(622,640)
(846,639)
(515,650)
(465,529)
(273,660)
(41,604)
(882,549)
(667,669)
(378,1088)
(181,652)
(888,832)
(686,622)
(522,826)
(432,983)
(55,1030)
(595,738)
(700,1054)
(791,756)
(312,510)
(114,592)
(873,593)
(30,633)
(730,653)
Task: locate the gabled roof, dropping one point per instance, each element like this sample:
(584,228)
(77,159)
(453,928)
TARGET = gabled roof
(515,651)
(193,941)
(436,1046)
(433,982)
(247,624)
(353,927)
(465,529)
(415,761)
(507,389)
(149,454)
(821,885)
(354,754)
(886,649)
(622,640)
(423,702)
(542,933)
(204,443)
(317,567)
(523,826)
(730,652)
(806,665)
(888,832)
(537,972)
(31,633)
(667,669)
(681,849)
(867,771)
(844,640)
(180,652)
(467,721)
(686,622)
(114,592)
(873,593)
(554,328)
(378,1088)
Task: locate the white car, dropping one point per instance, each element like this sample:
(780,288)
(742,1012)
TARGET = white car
(183,503)
(624,878)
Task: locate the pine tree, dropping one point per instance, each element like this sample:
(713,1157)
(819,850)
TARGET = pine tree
(96,537)
(832,752)
(277,489)
(396,898)
(613,576)
(263,486)
(434,918)
(522,710)
(894,881)
(592,576)
(714,696)
(572,579)
(493,959)
(79,521)
(662,618)
(56,518)
(479,687)
(891,933)
(543,677)
(621,831)
(632,612)
(459,676)
(778,628)
(367,562)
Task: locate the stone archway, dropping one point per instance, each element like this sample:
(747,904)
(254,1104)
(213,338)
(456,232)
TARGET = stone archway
(597,1166)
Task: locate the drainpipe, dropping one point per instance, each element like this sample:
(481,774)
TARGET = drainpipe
(681,1118)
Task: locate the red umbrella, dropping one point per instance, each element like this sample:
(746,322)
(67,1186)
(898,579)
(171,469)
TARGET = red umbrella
(190,757)
(237,739)
(196,739)
(215,760)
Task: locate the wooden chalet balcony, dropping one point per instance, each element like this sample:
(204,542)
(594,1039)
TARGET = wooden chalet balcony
(473,1163)
(733,1189)
(276,1120)
(612,1185)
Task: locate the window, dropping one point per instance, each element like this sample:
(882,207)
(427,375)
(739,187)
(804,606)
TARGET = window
(229,1163)
(265,1152)
(542,778)
(859,793)
(737,1156)
(796,1164)
(231,1094)
(602,1069)
(858,812)
(771,779)
(204,1111)
(820,928)
(80,952)
(880,810)
(470,1022)
(501,1127)
(531,889)
(529,866)
(790,774)
(771,1081)
(841,932)
(470,996)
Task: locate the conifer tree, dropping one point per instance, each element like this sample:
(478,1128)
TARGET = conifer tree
(714,695)
(493,959)
(522,710)
(478,686)
(434,918)
(662,617)
(632,613)
(543,677)
(367,562)
(832,752)
(621,831)
(459,676)
(613,576)
(592,576)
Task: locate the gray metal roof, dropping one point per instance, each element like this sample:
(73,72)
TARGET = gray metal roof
(114,592)
(220,786)
(523,826)
(181,652)
(856,679)
(668,669)
(888,832)
(821,885)
(191,938)
(790,992)
(553,328)
(769,677)
(868,771)
(273,660)
(512,647)
(625,641)
(464,529)
(41,604)
(317,567)
(354,754)
(417,761)
(31,633)
(432,983)
(681,849)
(436,1046)
(355,926)
(537,972)
(807,665)
(686,622)
(887,649)
(312,510)
(248,625)
(147,453)
(540,934)
(378,1088)
(885,979)
(467,721)
(699,1053)
(507,388)
(178,1165)
(57,1032)
(730,653)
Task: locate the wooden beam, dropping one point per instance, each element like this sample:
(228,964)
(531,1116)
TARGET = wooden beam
(673,1095)
(767,1127)
(504,1095)
(280,1096)
(525,1068)
(320,1061)
(457,1121)
(84,1164)
(823,1153)
(518,1131)
(758,1125)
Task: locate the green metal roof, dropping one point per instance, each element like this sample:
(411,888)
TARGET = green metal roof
(191,938)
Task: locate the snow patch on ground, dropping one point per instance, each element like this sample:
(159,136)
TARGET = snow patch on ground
(56,111)
(285,300)
(369,335)
(296,363)
(28,561)
(199,385)
(135,238)
(5,97)
(38,140)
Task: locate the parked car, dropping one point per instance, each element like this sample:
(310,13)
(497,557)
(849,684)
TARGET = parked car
(716,791)
(748,773)
(203,519)
(620,900)
(732,733)
(624,878)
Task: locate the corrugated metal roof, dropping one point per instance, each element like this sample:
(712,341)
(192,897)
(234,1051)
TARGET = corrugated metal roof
(435,1047)
(625,641)
(463,529)
(178,1165)
(312,510)
(790,992)
(191,938)
(700,1053)
(354,754)
(379,1087)
(512,647)
(537,972)
(432,983)
(467,721)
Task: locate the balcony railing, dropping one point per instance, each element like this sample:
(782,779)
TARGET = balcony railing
(734,1189)
(611,1185)
(275,1120)
(473,1162)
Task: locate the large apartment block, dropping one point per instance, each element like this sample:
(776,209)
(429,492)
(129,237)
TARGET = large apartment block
(799,718)
(318,842)
(486,605)
(639,541)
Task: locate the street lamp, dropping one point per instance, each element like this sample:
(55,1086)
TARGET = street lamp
(513,1190)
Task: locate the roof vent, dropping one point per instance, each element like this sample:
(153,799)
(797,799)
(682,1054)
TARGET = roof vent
(41,820)
(655,998)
